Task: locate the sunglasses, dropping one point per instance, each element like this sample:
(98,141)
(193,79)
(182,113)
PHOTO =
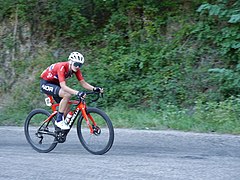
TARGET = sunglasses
(77,64)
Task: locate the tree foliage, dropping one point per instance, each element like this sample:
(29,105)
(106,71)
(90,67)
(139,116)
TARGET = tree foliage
(143,52)
(224,22)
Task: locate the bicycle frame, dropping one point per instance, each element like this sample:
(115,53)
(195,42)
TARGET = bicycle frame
(94,128)
(81,106)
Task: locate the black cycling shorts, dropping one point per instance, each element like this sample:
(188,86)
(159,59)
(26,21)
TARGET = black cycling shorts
(50,89)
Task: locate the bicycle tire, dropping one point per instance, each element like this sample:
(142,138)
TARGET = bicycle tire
(32,124)
(96,144)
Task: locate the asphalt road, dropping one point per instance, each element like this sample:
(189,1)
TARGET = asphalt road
(136,154)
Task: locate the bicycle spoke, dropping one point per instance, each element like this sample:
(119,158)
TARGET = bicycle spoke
(40,135)
(100,141)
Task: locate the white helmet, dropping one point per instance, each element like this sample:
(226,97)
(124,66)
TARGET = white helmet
(76,57)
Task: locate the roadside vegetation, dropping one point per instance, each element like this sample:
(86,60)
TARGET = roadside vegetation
(168,65)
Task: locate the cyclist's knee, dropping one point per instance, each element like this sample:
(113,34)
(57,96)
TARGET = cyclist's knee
(64,94)
(67,95)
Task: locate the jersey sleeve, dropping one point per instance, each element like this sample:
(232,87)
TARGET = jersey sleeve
(79,75)
(61,72)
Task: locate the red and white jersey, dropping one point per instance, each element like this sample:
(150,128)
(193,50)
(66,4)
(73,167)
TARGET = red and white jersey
(58,72)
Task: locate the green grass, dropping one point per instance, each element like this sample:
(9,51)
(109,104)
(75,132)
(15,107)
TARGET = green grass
(210,117)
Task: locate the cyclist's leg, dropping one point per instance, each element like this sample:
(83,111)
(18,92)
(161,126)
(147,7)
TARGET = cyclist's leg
(59,95)
(64,106)
(53,90)
(62,110)
(50,89)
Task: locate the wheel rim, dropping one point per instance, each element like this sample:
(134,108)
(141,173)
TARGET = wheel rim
(99,141)
(36,136)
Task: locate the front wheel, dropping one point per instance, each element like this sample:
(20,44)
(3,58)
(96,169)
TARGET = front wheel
(40,134)
(101,139)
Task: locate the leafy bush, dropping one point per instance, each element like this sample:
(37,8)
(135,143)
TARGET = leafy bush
(145,54)
(223,28)
(228,79)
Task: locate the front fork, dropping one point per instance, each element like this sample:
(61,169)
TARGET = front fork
(88,117)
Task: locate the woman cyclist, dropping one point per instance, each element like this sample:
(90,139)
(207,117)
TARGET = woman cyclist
(53,82)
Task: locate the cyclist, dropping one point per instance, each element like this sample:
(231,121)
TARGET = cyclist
(53,82)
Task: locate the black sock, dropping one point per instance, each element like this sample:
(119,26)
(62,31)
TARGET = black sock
(59,116)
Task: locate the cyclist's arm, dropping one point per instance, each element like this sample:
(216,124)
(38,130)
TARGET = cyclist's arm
(83,83)
(86,85)
(67,89)
(62,82)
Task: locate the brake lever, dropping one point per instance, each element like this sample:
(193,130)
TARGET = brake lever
(98,96)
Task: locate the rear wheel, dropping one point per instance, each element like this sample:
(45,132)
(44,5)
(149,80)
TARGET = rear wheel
(40,134)
(101,140)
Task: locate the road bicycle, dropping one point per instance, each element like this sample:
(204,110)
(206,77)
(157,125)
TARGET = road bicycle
(94,127)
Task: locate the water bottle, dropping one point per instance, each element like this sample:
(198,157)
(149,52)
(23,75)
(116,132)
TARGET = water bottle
(68,117)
